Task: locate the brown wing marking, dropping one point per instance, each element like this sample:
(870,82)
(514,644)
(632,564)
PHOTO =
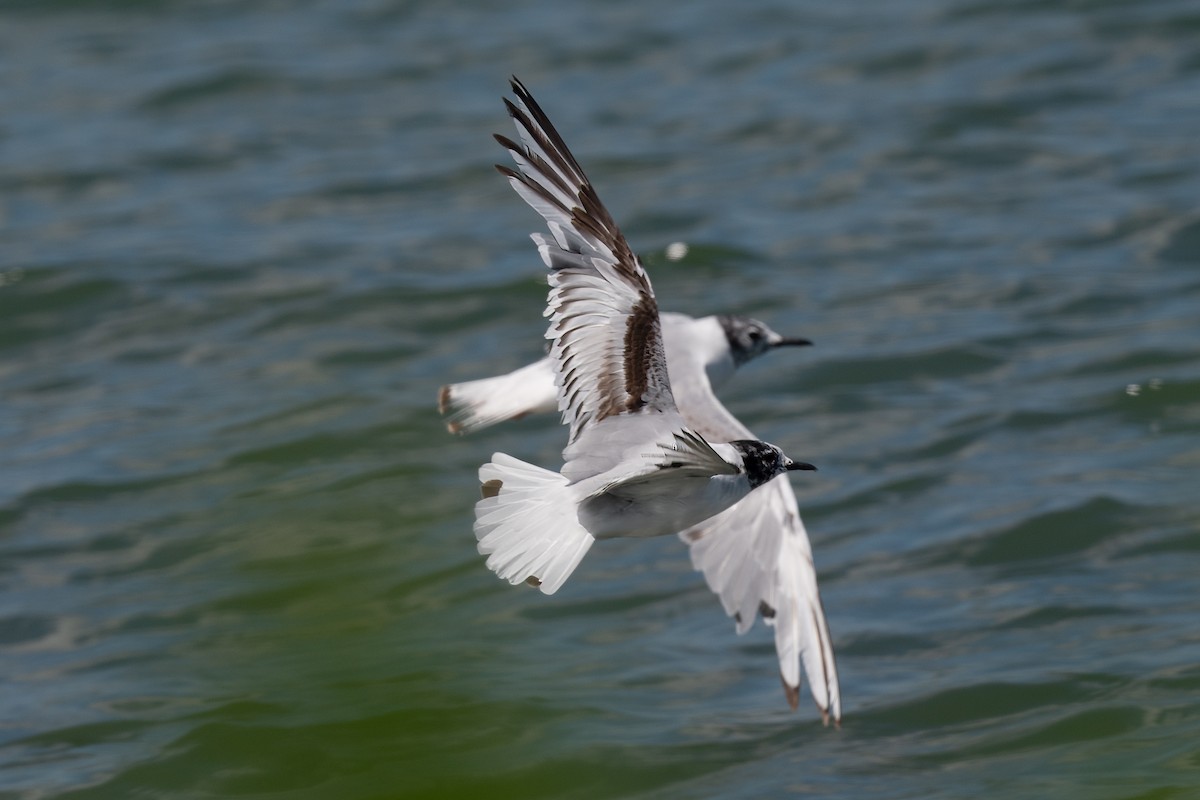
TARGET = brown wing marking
(641,336)
(641,332)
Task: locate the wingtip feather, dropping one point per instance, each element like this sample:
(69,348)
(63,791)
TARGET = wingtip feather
(792,693)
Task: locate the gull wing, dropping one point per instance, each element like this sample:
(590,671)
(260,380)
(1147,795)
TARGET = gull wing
(606,340)
(756,557)
(688,455)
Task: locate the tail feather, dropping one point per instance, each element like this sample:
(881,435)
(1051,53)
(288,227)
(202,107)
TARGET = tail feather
(473,405)
(528,528)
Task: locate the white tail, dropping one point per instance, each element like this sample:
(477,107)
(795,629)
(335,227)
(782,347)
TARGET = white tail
(527,524)
(478,404)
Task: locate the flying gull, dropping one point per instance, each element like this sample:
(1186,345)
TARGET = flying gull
(718,344)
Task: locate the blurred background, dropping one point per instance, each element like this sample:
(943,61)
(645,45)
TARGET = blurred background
(242,244)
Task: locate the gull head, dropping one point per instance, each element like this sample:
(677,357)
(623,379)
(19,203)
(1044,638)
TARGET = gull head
(749,338)
(762,461)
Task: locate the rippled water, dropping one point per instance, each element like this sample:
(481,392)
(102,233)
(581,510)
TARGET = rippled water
(242,244)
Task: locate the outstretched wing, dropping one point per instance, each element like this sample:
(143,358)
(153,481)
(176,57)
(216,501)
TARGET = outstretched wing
(688,455)
(756,557)
(606,342)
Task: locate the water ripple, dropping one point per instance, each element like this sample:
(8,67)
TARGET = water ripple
(244,246)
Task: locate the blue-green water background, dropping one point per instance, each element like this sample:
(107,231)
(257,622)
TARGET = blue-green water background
(241,245)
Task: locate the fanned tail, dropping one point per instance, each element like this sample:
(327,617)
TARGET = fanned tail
(474,405)
(527,524)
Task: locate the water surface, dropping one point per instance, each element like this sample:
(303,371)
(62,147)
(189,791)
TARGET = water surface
(242,245)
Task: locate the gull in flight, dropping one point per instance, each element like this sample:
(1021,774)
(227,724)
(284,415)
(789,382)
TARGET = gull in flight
(755,556)
(636,464)
(718,345)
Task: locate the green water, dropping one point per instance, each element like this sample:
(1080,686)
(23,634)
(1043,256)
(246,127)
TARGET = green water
(241,245)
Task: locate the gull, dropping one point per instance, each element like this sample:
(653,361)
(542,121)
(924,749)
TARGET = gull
(755,556)
(634,466)
(718,344)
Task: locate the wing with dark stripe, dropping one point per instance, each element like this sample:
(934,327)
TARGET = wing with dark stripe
(605,335)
